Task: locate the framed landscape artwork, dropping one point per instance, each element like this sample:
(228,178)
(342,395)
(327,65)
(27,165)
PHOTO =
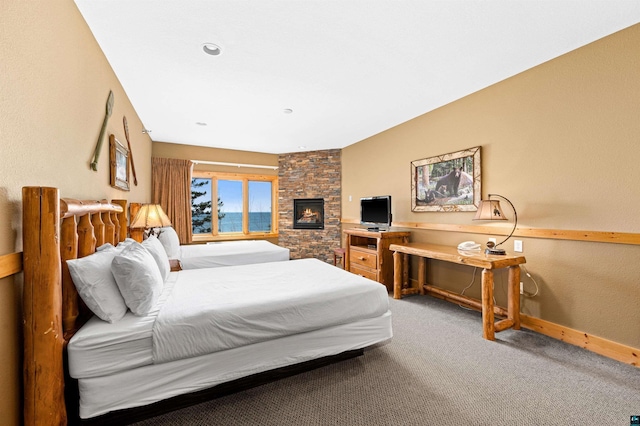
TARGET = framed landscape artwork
(119,162)
(447,183)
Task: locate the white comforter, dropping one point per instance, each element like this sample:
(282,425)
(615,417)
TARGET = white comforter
(211,310)
(229,253)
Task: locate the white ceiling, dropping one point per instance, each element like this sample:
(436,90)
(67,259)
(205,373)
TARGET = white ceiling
(347,68)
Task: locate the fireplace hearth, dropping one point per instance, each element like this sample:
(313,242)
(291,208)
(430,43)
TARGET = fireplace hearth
(308,213)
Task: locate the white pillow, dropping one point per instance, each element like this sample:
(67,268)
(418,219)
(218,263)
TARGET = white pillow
(154,246)
(124,243)
(170,241)
(138,278)
(97,286)
(121,245)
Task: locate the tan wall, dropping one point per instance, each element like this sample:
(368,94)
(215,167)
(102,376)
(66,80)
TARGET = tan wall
(54,82)
(561,142)
(190,152)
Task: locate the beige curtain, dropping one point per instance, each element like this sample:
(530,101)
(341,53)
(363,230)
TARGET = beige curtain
(171,188)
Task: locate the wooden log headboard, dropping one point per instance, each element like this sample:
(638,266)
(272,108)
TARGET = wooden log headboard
(55,230)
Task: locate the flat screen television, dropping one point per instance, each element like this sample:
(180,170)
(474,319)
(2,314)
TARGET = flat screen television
(375,212)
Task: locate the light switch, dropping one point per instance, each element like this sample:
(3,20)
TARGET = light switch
(517,246)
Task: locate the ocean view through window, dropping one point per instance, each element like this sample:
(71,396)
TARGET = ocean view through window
(244,204)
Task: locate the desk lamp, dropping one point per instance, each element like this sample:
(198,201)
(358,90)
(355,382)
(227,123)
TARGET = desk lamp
(150,216)
(490,210)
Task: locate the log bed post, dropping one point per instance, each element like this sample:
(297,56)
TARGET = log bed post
(98,225)
(69,250)
(138,233)
(42,297)
(122,220)
(109,228)
(55,230)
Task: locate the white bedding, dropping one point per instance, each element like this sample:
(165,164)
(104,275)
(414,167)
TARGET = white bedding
(333,297)
(101,348)
(230,253)
(211,310)
(156,382)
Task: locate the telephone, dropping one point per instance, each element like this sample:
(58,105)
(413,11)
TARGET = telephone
(469,245)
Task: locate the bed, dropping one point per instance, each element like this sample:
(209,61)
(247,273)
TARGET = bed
(258,320)
(216,254)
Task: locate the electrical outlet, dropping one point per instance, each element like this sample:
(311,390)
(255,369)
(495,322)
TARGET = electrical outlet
(349,197)
(517,246)
(521,287)
(493,240)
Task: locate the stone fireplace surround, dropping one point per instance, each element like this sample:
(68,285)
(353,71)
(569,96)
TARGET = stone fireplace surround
(313,174)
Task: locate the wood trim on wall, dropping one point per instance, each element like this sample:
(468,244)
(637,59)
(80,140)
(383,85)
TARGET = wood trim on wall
(10,264)
(550,234)
(604,347)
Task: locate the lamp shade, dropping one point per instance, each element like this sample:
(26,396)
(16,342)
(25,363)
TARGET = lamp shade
(490,210)
(150,216)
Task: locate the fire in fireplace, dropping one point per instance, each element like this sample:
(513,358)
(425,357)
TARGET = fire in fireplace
(308,213)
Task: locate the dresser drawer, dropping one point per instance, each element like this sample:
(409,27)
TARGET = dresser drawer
(364,272)
(360,257)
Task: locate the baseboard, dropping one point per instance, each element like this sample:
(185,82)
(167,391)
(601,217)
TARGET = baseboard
(604,347)
(596,344)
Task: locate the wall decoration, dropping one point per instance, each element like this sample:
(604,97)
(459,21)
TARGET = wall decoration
(119,161)
(126,135)
(447,183)
(96,153)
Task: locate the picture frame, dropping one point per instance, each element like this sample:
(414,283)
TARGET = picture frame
(447,183)
(119,162)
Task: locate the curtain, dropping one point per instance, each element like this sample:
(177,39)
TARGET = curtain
(171,188)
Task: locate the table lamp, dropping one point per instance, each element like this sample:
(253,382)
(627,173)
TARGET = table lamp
(150,216)
(490,210)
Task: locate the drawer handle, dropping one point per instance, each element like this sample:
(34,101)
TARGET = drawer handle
(361,258)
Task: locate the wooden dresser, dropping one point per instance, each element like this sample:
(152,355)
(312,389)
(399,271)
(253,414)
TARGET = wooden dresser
(367,253)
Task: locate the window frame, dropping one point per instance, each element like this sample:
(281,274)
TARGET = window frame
(214,235)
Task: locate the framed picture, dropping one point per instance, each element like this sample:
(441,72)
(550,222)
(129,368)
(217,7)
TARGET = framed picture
(447,183)
(119,161)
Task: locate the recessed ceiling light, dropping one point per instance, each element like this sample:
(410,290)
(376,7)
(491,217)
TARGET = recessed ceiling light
(200,123)
(211,49)
(287,110)
(302,147)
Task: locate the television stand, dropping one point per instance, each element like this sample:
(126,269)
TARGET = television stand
(367,253)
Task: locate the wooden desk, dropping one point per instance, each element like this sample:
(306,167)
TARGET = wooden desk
(451,254)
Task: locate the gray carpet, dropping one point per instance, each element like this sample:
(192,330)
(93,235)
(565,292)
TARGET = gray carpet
(438,370)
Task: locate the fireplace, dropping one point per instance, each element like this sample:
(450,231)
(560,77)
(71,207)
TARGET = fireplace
(308,213)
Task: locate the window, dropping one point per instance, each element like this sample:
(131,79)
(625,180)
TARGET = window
(245,205)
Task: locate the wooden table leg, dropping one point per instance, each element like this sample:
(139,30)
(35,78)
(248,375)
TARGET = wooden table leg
(422,273)
(514,296)
(406,283)
(488,330)
(397,275)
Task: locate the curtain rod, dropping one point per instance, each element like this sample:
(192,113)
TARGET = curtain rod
(221,163)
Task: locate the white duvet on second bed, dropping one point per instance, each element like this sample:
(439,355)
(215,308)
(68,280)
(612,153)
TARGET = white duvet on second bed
(229,253)
(251,303)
